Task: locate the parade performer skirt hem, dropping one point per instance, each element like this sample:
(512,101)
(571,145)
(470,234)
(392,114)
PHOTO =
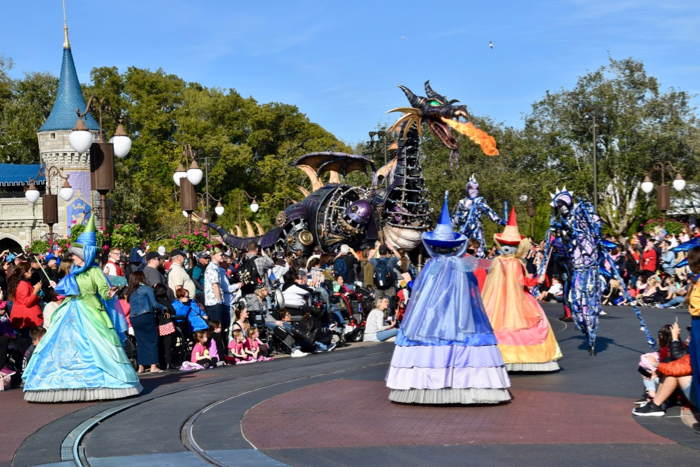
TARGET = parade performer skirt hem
(81,395)
(535,367)
(450,396)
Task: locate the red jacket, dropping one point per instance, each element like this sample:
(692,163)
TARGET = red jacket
(677,368)
(649,261)
(26,312)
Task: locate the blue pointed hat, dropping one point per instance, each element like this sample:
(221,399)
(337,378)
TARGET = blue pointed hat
(443,236)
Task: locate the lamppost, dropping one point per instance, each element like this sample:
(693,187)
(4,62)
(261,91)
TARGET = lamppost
(593,112)
(381,134)
(531,212)
(205,197)
(187,181)
(101,153)
(663,191)
(50,201)
(254,206)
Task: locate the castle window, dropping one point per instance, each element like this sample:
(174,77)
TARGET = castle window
(53,135)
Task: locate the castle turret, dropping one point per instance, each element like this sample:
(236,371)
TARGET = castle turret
(55,148)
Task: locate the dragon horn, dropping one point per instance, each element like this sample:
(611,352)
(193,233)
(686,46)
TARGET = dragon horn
(428,90)
(412,98)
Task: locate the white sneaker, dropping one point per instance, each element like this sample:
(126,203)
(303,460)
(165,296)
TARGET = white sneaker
(298,353)
(602,313)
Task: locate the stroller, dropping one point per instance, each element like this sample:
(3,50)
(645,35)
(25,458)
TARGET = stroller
(354,307)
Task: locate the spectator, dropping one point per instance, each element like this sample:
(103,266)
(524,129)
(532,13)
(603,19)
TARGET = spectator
(262,263)
(346,264)
(35,334)
(678,299)
(185,308)
(238,347)
(153,275)
(668,259)
(376,329)
(177,276)
(614,293)
(26,312)
(135,261)
(384,277)
(296,294)
(112,267)
(367,269)
(200,352)
(242,315)
(143,319)
(55,301)
(9,341)
(256,348)
(213,295)
(555,292)
(318,251)
(648,261)
(166,330)
(198,272)
(676,374)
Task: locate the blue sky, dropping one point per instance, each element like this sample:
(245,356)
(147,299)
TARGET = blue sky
(340,62)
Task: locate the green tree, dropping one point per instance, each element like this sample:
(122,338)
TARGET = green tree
(638,125)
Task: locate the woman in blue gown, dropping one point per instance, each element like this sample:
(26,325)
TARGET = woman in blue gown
(446,351)
(81,357)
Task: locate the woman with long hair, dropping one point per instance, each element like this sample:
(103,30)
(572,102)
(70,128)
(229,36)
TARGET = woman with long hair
(143,319)
(81,357)
(26,312)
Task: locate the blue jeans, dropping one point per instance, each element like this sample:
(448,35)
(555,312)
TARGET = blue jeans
(387,334)
(675,301)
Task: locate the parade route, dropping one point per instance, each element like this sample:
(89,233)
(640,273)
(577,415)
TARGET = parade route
(332,409)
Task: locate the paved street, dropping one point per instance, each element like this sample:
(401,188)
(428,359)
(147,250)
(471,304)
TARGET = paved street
(332,409)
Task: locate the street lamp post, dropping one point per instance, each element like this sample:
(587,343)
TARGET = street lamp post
(663,191)
(531,212)
(187,181)
(381,134)
(50,201)
(205,197)
(254,206)
(594,111)
(101,153)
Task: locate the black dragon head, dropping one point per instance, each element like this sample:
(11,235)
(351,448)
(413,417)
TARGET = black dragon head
(442,116)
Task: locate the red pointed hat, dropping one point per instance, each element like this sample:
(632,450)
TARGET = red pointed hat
(511,234)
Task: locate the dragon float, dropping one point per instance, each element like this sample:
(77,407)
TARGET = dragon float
(335,213)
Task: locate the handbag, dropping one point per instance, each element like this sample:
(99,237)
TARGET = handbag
(165,325)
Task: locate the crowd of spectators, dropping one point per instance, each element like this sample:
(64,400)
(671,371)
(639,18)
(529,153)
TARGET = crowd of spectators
(229,303)
(646,265)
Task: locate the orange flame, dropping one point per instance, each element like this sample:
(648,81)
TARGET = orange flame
(480,137)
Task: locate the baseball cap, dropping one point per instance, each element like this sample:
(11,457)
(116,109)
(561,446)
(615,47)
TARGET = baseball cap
(203,254)
(176,252)
(152,255)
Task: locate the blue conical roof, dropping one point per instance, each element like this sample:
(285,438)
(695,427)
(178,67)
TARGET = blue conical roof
(68,98)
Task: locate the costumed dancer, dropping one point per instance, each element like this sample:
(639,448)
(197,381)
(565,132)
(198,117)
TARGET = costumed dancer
(81,357)
(583,252)
(446,351)
(467,216)
(524,334)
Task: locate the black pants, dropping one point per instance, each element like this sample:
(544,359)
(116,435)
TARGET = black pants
(165,349)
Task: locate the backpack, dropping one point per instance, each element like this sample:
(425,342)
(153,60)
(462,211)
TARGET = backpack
(383,275)
(340,268)
(248,274)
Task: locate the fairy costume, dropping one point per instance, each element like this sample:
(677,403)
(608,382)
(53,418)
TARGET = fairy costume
(81,357)
(524,334)
(446,351)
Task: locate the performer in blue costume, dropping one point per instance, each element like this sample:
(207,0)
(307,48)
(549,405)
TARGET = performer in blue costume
(446,351)
(468,212)
(81,357)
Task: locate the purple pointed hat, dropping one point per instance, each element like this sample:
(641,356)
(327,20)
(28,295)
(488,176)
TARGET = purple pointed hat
(443,236)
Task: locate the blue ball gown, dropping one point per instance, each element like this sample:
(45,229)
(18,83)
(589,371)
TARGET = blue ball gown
(446,351)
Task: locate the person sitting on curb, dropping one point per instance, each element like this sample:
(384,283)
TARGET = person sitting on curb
(376,330)
(673,375)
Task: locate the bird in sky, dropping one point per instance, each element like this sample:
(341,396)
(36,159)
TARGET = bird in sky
(491,44)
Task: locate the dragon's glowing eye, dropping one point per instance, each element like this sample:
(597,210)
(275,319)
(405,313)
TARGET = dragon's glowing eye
(434,103)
